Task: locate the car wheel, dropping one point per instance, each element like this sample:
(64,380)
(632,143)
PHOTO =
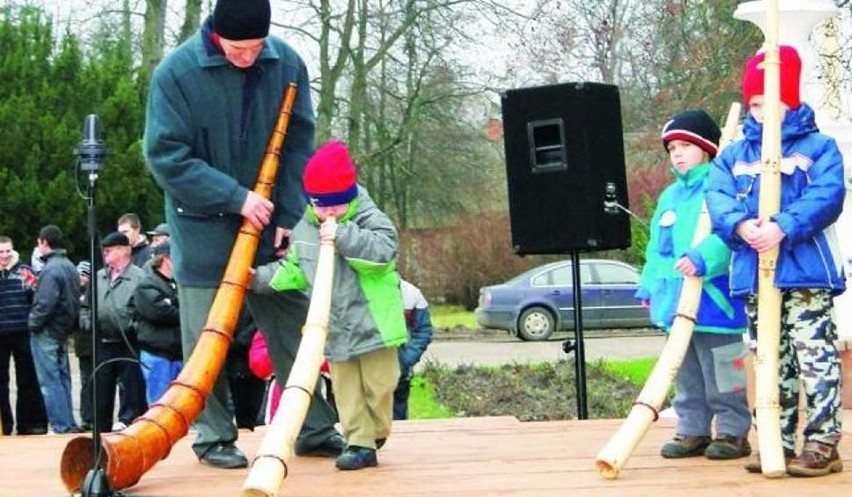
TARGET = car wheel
(535,324)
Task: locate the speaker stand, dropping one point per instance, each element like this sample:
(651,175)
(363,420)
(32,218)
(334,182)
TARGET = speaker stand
(577,345)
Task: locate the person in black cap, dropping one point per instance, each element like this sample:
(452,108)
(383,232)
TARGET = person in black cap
(159,235)
(158,324)
(212,104)
(711,383)
(83,350)
(117,347)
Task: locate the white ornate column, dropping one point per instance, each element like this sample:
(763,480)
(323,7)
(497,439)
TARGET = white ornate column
(797,19)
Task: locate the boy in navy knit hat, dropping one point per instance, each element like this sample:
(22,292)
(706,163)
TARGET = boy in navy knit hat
(711,381)
(808,270)
(367,321)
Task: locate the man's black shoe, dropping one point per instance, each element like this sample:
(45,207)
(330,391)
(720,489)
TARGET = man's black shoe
(32,430)
(225,456)
(330,447)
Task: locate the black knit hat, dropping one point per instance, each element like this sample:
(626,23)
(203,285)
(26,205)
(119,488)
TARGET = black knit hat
(115,239)
(696,127)
(241,19)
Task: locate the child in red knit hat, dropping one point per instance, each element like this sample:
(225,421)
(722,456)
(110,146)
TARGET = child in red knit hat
(808,270)
(366,322)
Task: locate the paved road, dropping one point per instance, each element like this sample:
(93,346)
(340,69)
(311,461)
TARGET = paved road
(511,350)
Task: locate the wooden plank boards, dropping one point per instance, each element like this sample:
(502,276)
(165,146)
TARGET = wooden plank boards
(446,458)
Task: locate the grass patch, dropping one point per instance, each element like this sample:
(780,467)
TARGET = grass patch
(636,370)
(422,403)
(530,392)
(452,316)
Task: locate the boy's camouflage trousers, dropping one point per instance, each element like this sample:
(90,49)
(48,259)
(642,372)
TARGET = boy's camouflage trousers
(808,353)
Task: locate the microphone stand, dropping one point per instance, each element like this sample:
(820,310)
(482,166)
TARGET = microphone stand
(91,154)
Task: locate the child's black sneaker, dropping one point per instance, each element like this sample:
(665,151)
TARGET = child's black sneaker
(685,446)
(728,447)
(355,457)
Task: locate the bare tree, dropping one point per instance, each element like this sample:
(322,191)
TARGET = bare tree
(153,34)
(384,67)
(575,39)
(191,19)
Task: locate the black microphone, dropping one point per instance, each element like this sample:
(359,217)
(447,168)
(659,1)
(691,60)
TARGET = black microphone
(92,150)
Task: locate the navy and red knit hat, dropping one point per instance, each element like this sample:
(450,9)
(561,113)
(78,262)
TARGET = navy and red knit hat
(241,19)
(696,127)
(330,177)
(790,71)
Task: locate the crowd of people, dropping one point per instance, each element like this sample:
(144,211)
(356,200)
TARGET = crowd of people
(45,309)
(138,328)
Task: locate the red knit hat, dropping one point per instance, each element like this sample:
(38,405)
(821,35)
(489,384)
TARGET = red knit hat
(791,70)
(330,177)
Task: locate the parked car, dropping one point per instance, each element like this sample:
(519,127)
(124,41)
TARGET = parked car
(540,301)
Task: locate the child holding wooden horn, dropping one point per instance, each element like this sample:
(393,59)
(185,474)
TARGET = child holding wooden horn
(711,381)
(808,270)
(366,322)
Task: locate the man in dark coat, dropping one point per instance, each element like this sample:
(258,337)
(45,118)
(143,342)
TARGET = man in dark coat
(17,283)
(211,108)
(52,318)
(117,356)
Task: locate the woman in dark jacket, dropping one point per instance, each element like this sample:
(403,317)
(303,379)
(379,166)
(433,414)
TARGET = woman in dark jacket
(158,324)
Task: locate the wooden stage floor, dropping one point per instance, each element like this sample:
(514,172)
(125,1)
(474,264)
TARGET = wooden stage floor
(458,457)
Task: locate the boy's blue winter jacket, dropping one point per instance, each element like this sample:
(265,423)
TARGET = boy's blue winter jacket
(812,193)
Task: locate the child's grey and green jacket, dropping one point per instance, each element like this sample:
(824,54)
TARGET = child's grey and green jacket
(366,303)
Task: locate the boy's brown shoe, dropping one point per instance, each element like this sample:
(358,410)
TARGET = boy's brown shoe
(753,465)
(685,446)
(817,459)
(728,447)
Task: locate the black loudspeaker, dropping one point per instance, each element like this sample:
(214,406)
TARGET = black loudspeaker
(565,168)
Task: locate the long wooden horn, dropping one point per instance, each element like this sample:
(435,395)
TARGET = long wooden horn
(269,468)
(128,454)
(766,362)
(646,409)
